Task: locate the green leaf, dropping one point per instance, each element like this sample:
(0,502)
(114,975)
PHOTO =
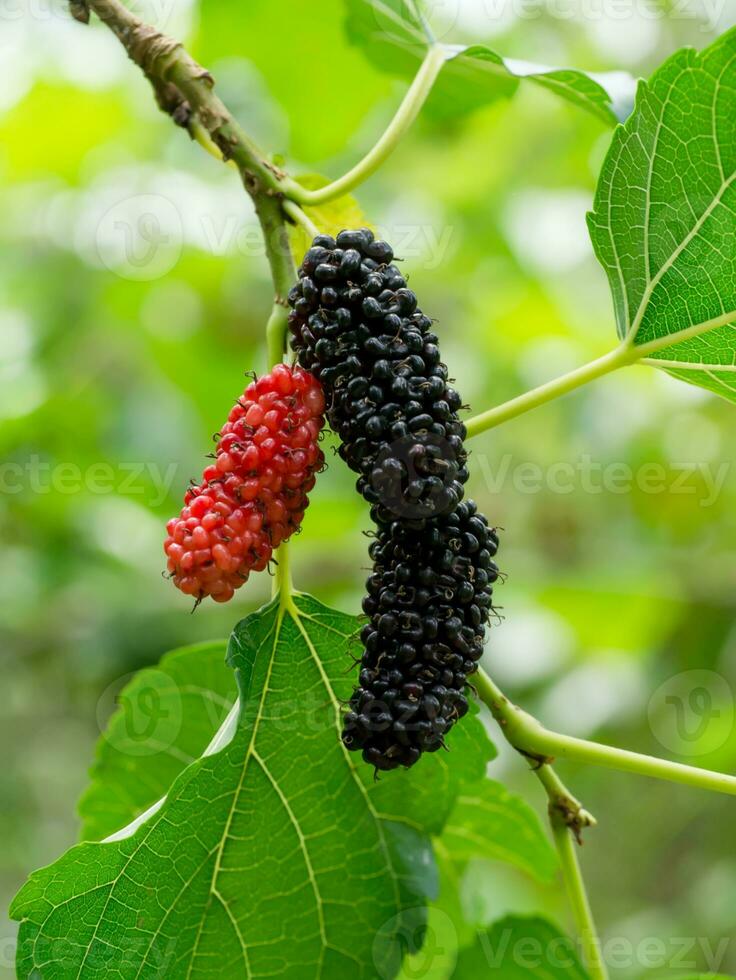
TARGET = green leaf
(432,956)
(517,948)
(395,35)
(330,218)
(166,717)
(188,695)
(476,75)
(486,822)
(489,822)
(664,220)
(278,855)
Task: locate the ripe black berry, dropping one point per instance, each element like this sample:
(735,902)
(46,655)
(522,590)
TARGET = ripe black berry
(357,328)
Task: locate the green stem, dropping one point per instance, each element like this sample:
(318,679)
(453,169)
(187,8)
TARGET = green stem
(283,585)
(298,216)
(585,924)
(615,359)
(283,273)
(405,116)
(562,803)
(275,334)
(593,753)
(567,817)
(533,740)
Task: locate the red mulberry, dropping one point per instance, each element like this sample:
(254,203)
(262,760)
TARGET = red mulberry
(253,496)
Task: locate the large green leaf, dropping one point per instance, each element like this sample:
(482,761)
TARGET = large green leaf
(664,221)
(188,695)
(279,855)
(489,822)
(518,948)
(395,35)
(166,717)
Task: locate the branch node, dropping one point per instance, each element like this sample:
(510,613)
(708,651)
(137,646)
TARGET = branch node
(567,811)
(79,11)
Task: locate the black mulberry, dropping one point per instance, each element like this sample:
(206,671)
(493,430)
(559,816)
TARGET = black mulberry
(357,328)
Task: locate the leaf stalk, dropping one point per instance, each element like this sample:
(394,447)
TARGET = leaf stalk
(397,128)
(612,361)
(577,894)
(526,734)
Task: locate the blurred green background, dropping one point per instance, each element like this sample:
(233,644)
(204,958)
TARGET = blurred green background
(133,297)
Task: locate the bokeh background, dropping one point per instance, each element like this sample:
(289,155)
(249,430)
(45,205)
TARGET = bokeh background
(133,297)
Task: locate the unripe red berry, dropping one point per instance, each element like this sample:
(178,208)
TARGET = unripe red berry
(253,497)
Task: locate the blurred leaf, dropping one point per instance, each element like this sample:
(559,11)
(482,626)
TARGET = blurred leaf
(485,75)
(307,76)
(31,151)
(331,217)
(395,36)
(664,224)
(634,619)
(489,822)
(265,838)
(446,931)
(165,720)
(521,949)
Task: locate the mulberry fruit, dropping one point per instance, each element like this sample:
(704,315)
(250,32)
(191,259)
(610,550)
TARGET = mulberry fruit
(357,328)
(427,605)
(253,496)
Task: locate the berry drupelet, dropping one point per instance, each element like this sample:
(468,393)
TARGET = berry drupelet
(357,328)
(253,496)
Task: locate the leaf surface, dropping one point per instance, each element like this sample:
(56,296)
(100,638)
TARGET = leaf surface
(490,822)
(277,856)
(165,719)
(664,220)
(517,948)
